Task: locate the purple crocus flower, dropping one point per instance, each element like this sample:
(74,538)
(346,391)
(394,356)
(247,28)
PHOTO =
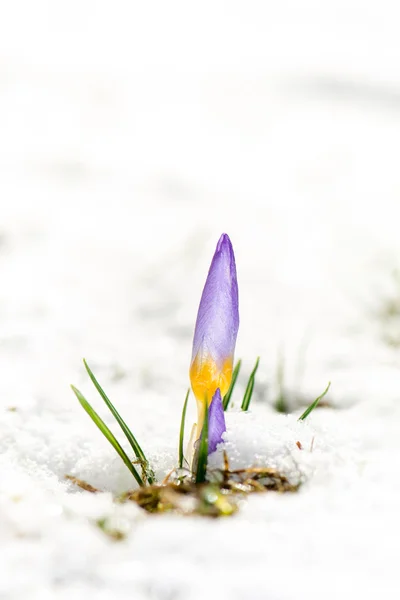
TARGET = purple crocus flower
(216,422)
(216,329)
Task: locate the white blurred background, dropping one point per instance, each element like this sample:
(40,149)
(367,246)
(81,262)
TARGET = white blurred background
(132,134)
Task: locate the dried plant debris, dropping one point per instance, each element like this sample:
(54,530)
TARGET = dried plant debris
(106,526)
(218,497)
(186,498)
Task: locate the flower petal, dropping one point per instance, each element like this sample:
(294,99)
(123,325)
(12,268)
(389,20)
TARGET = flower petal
(216,422)
(216,325)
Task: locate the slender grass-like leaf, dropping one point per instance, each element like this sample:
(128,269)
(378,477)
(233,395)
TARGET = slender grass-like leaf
(203,450)
(107,433)
(128,434)
(182,430)
(281,404)
(314,404)
(250,387)
(228,394)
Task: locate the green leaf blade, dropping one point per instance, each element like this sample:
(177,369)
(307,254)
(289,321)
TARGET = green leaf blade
(128,434)
(314,404)
(201,470)
(281,403)
(97,420)
(228,394)
(250,387)
(182,430)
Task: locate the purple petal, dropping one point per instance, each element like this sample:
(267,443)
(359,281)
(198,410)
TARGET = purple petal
(218,316)
(216,422)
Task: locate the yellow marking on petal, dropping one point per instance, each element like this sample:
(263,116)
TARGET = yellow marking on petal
(206,377)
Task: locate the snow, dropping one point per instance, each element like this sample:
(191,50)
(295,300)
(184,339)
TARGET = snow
(132,136)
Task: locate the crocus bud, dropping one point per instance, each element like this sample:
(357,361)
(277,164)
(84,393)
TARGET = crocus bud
(216,329)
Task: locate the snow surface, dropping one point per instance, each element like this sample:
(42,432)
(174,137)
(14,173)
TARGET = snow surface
(131,136)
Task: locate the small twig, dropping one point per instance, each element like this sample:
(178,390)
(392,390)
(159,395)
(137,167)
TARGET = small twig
(82,484)
(167,477)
